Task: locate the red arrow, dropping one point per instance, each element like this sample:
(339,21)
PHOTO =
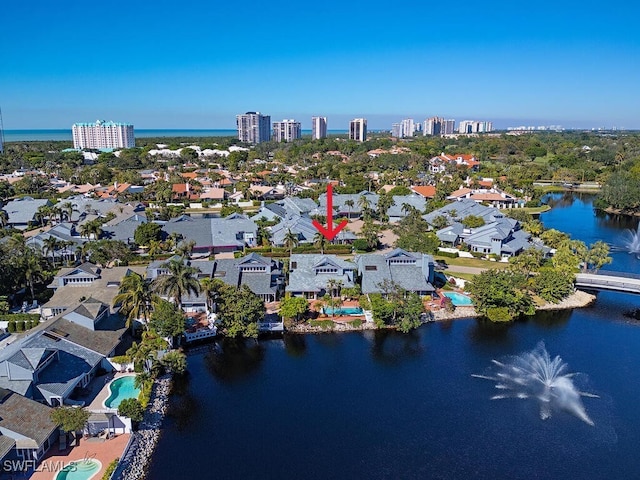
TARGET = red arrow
(329,232)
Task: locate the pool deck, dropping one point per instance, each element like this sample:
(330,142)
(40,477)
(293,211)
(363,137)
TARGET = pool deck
(106,452)
(97,405)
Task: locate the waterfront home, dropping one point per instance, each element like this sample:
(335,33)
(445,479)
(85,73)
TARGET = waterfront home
(413,272)
(490,196)
(310,274)
(21,212)
(500,235)
(26,429)
(214,235)
(46,367)
(262,275)
(75,285)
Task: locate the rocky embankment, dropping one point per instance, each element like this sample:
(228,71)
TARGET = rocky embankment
(134,463)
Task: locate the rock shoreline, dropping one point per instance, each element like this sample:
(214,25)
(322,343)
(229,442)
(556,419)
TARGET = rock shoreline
(133,465)
(578,299)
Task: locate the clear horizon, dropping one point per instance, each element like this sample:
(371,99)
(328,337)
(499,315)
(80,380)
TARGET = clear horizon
(199,65)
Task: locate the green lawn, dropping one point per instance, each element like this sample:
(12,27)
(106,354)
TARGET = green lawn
(470,262)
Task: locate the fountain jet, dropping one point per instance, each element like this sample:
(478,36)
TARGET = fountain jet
(631,241)
(535,375)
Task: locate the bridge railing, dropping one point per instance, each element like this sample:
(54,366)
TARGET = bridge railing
(612,273)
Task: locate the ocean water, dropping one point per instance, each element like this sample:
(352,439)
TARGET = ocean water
(65,134)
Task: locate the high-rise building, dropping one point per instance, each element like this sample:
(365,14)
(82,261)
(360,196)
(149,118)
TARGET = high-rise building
(286,130)
(358,129)
(102,135)
(396,130)
(253,127)
(408,128)
(448,127)
(432,126)
(473,126)
(318,128)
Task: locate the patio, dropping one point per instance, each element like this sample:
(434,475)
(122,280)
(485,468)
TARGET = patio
(105,452)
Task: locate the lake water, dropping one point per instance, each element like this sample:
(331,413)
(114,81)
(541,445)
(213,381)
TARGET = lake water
(387,405)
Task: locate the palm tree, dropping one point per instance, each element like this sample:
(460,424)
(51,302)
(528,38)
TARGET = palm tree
(210,288)
(349,204)
(180,281)
(291,241)
(185,248)
(50,245)
(4,219)
(319,241)
(68,208)
(135,298)
(33,270)
(363,203)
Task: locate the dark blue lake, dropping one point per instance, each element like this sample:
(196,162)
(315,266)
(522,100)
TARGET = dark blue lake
(386,405)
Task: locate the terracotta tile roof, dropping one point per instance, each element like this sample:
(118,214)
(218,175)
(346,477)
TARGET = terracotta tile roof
(460,192)
(427,191)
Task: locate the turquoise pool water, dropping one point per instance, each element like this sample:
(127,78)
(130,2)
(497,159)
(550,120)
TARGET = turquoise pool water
(458,299)
(80,470)
(343,311)
(121,388)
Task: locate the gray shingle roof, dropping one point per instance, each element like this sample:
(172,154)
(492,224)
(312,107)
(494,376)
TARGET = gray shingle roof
(303,277)
(416,201)
(27,418)
(213,232)
(413,277)
(21,211)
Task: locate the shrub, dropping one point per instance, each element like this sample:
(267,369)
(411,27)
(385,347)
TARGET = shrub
(323,324)
(130,407)
(448,254)
(360,244)
(20,325)
(357,323)
(11,327)
(110,469)
(499,314)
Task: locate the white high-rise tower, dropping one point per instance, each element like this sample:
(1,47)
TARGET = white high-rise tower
(318,128)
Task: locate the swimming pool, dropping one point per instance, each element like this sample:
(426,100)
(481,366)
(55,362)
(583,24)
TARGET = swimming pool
(342,311)
(458,299)
(121,388)
(80,470)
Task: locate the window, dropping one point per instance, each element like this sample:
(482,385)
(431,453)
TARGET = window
(371,268)
(294,265)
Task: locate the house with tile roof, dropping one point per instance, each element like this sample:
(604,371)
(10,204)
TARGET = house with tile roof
(489,196)
(426,191)
(413,272)
(309,274)
(438,164)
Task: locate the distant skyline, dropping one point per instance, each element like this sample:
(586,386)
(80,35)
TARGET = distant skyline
(198,64)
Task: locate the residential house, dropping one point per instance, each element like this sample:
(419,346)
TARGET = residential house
(214,235)
(75,285)
(439,163)
(397,211)
(426,191)
(309,274)
(489,196)
(342,206)
(21,212)
(413,272)
(26,429)
(67,237)
(123,229)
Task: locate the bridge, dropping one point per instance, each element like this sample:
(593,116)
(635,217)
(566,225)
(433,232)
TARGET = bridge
(608,280)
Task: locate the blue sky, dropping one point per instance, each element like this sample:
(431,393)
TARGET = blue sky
(198,63)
